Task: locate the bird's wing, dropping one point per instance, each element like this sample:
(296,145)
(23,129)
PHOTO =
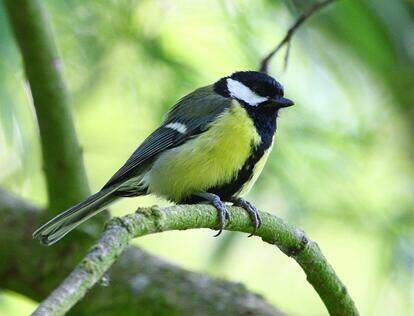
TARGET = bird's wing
(192,115)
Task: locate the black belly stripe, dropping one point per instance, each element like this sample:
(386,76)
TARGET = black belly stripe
(265,123)
(228,190)
(245,174)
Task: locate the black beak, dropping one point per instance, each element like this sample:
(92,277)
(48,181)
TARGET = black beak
(282,102)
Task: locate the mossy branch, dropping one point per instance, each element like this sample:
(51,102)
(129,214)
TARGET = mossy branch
(137,280)
(119,232)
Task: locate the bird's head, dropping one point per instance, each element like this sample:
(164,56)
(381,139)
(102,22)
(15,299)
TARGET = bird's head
(253,89)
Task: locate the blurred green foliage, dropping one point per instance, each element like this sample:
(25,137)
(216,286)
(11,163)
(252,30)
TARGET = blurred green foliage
(342,168)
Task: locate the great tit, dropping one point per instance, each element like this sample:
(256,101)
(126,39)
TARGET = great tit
(211,148)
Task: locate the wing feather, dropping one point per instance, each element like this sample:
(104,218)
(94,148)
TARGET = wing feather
(160,140)
(196,111)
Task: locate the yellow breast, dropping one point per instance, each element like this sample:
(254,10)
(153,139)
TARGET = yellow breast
(211,158)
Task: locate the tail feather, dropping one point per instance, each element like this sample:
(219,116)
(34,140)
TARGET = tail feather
(59,226)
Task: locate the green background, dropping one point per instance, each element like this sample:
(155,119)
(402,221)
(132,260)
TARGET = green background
(342,168)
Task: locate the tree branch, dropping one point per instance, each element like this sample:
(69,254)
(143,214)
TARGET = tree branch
(138,280)
(264,64)
(120,231)
(62,157)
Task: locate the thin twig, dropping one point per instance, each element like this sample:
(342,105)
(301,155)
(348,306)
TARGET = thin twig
(264,64)
(120,231)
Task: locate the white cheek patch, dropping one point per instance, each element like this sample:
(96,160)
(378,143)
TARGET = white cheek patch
(239,91)
(179,127)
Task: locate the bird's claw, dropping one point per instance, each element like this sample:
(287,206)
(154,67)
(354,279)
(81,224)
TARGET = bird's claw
(252,211)
(223,214)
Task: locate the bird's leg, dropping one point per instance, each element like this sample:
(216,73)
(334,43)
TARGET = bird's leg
(251,210)
(223,213)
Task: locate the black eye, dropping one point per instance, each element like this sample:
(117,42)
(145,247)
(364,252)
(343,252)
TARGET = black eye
(260,90)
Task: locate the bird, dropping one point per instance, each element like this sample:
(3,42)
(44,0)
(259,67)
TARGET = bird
(210,148)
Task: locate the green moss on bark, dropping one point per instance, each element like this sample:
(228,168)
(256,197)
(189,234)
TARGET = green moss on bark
(120,231)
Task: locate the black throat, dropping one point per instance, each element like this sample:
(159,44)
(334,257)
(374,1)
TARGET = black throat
(264,119)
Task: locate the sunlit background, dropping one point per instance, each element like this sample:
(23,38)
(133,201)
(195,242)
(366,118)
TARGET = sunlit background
(343,165)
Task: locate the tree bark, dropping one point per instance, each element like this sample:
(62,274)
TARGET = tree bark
(138,281)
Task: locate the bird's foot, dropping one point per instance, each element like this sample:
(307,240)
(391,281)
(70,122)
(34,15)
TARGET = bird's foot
(251,210)
(223,213)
